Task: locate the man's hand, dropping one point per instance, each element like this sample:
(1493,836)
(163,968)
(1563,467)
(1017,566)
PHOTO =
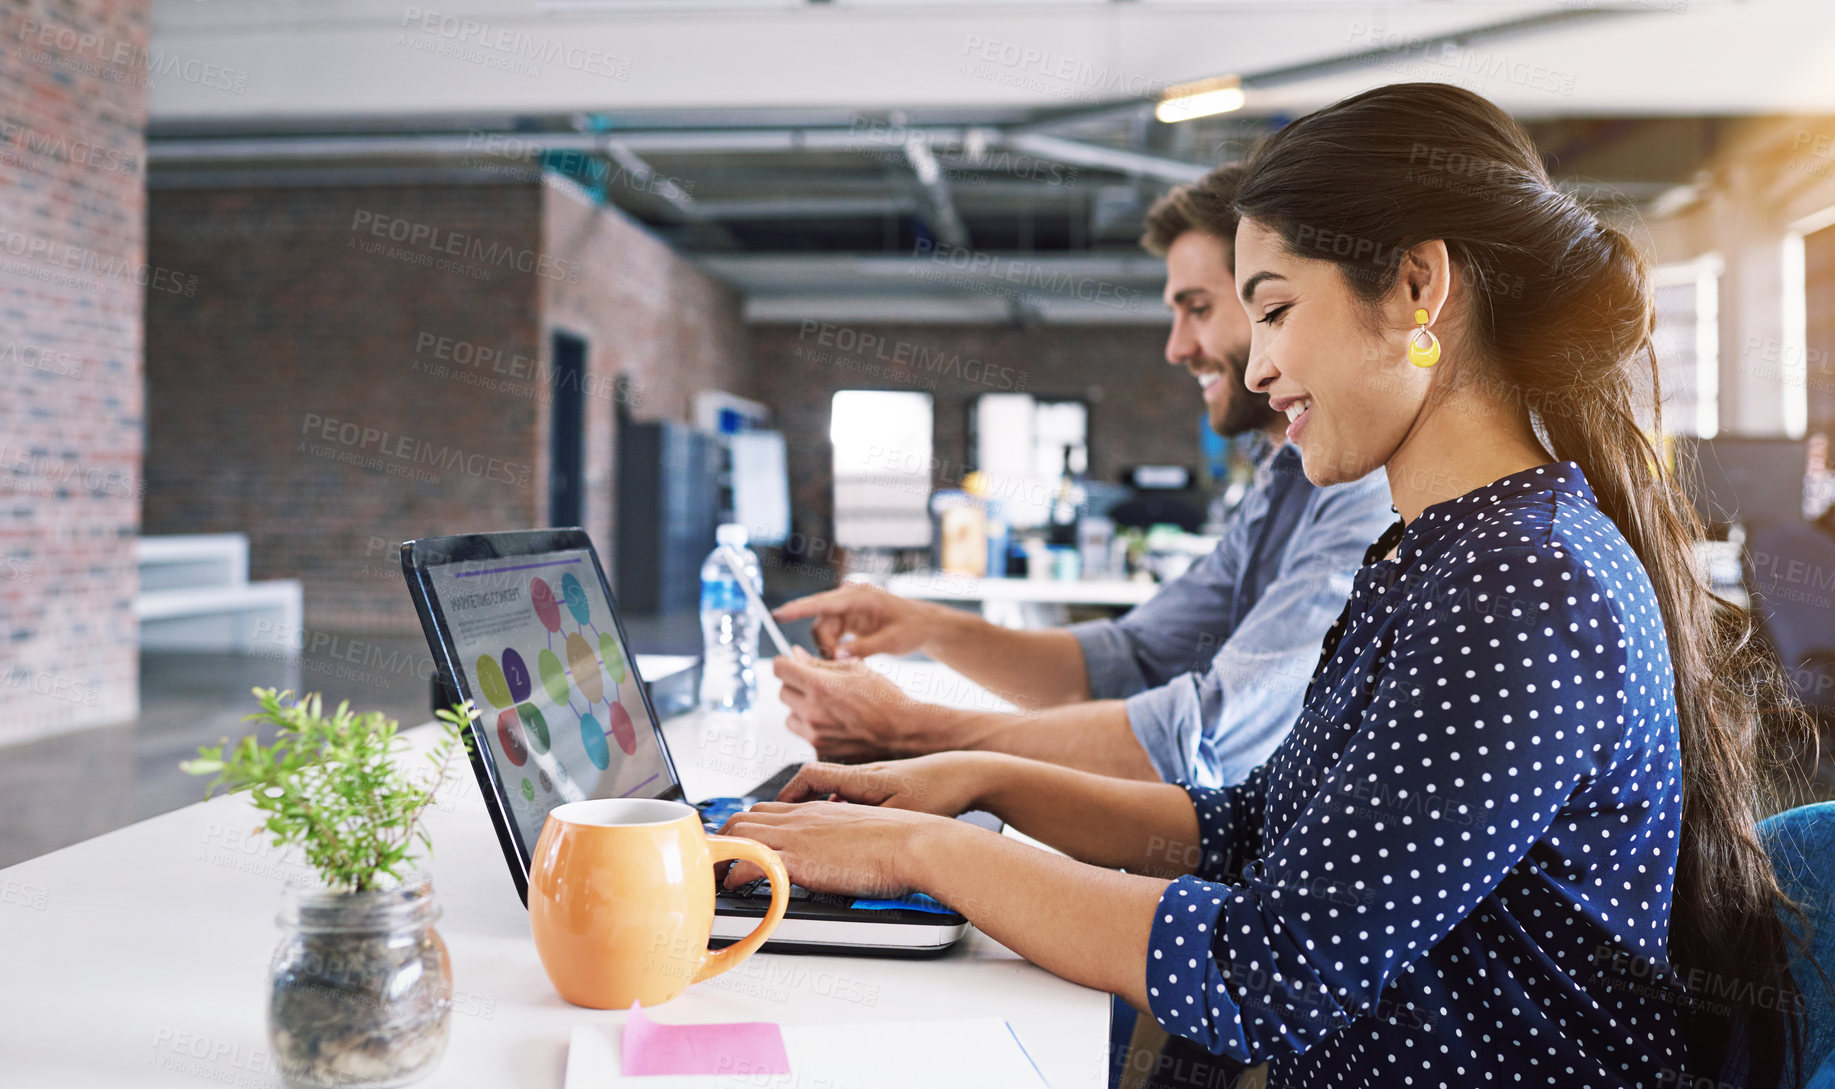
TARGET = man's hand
(858,620)
(946,783)
(847,711)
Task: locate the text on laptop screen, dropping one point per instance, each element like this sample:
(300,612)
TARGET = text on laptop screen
(559,706)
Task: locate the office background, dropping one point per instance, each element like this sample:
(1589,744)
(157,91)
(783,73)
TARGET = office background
(328,276)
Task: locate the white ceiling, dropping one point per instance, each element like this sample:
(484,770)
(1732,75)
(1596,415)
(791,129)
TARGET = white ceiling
(299,59)
(761,103)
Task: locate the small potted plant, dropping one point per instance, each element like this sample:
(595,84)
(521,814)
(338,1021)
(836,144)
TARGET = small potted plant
(360,988)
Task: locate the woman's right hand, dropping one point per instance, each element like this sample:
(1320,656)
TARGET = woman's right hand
(946,783)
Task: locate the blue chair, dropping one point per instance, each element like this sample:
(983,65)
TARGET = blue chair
(1788,567)
(1801,843)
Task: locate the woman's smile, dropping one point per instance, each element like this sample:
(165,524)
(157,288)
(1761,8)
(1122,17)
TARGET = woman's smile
(1298,410)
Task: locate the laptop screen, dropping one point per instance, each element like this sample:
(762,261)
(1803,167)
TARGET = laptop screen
(561,711)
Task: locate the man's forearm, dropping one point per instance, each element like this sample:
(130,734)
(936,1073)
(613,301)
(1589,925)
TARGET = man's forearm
(1029,668)
(1094,737)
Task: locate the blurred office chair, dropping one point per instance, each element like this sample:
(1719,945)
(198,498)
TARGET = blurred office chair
(1744,479)
(1801,843)
(1790,572)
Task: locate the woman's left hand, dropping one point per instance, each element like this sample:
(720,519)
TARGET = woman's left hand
(837,846)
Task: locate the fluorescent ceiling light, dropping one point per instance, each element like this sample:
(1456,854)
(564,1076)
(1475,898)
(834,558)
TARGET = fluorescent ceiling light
(1205,98)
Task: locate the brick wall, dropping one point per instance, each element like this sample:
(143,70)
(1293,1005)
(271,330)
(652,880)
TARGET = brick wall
(353,378)
(72,276)
(649,316)
(357,369)
(1141,409)
(315,389)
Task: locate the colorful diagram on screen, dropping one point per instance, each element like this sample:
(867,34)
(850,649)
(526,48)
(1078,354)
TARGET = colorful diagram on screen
(572,670)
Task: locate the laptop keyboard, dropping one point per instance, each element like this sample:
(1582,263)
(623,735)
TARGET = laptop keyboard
(716,811)
(761,890)
(772,787)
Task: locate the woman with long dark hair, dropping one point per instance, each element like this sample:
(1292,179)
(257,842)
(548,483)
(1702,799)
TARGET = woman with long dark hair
(1512,836)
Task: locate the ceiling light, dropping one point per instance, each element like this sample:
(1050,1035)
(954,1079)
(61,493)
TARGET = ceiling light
(1205,98)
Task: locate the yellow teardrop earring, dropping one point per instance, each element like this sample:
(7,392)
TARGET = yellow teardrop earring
(1423,355)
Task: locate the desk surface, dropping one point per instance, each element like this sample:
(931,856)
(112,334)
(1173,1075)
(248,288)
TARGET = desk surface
(140,957)
(940,586)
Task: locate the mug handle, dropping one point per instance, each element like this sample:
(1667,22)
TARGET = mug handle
(738,848)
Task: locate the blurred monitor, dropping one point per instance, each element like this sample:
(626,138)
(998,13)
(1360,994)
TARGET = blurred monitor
(1164,478)
(1752,481)
(761,485)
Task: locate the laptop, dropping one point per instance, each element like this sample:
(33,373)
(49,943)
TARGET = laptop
(524,625)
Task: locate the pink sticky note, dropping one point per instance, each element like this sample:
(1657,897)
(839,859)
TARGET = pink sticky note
(739,1047)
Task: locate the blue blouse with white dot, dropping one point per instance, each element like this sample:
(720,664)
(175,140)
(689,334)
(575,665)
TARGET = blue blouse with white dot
(1439,877)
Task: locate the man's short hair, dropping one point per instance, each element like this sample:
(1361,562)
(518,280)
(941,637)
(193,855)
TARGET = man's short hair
(1208,205)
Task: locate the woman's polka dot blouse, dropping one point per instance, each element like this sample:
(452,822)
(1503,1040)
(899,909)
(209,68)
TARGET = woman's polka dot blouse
(1441,875)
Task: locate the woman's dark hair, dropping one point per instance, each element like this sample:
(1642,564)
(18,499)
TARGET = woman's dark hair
(1559,313)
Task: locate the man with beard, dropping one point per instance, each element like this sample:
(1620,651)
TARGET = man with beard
(1200,683)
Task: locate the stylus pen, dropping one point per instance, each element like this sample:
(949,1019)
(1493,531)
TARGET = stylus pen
(737,564)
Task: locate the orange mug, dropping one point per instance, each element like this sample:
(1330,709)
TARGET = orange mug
(621,900)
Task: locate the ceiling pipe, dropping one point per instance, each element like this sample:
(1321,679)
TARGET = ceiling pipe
(632,145)
(950,229)
(1078,153)
(687,141)
(666,188)
(1344,62)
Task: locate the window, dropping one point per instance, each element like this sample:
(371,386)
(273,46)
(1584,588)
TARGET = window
(1020,443)
(882,445)
(1688,345)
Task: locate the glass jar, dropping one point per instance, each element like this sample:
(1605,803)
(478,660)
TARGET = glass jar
(360,987)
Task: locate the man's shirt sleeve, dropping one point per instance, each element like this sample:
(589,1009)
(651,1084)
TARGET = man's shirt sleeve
(1176,631)
(1212,727)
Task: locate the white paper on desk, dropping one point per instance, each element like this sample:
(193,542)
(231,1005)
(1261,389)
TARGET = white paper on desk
(961,1054)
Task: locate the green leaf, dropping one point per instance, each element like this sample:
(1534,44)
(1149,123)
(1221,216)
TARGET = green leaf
(332,786)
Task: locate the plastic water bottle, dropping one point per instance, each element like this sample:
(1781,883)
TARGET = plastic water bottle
(999,537)
(729,631)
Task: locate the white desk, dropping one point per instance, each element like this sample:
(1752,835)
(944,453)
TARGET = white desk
(1021,603)
(140,957)
(942,586)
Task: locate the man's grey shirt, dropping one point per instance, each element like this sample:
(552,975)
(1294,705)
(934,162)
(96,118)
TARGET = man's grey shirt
(1215,665)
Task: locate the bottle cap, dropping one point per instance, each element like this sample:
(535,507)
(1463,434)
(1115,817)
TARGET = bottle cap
(733,535)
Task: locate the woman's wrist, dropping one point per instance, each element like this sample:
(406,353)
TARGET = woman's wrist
(991,776)
(933,851)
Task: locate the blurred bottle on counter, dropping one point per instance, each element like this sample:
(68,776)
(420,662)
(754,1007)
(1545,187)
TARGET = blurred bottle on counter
(1095,538)
(729,630)
(1000,536)
(1067,506)
(962,533)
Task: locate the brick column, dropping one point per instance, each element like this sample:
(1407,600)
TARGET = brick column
(73,276)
